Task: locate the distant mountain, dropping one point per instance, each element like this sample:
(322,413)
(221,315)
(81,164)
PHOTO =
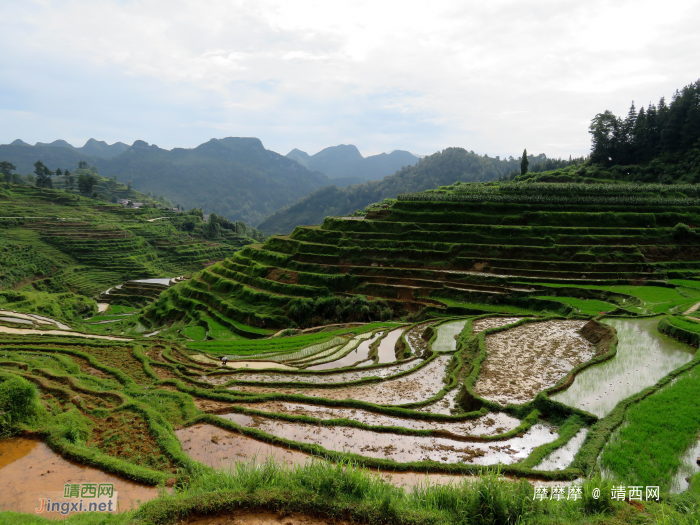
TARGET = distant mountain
(442,168)
(346,161)
(99,148)
(234,177)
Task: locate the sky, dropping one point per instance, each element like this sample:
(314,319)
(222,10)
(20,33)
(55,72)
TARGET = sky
(491,76)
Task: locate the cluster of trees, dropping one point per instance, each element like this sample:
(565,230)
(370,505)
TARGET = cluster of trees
(669,133)
(213,228)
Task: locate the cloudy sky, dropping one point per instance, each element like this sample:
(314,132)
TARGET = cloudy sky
(491,76)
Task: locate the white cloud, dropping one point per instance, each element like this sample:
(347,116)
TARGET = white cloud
(491,76)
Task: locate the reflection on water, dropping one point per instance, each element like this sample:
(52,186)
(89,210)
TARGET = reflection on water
(361,353)
(643,357)
(387,347)
(689,466)
(445,340)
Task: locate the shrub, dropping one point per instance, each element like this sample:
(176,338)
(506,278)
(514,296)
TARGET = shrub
(18,402)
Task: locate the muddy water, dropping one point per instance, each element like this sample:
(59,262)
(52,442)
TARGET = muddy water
(411,388)
(563,456)
(387,348)
(492,322)
(33,318)
(30,470)
(689,467)
(490,424)
(523,361)
(404,448)
(342,377)
(359,354)
(445,340)
(16,320)
(29,331)
(220,448)
(643,357)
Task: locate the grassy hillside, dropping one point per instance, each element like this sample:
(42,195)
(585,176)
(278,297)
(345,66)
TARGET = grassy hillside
(446,167)
(233,177)
(61,242)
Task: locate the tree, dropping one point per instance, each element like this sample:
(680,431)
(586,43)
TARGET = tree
(524,163)
(43,175)
(58,172)
(128,185)
(83,165)
(70,181)
(7,168)
(605,128)
(86,183)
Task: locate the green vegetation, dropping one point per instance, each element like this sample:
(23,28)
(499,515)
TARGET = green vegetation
(656,433)
(233,177)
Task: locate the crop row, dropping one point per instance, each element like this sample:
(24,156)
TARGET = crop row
(548,199)
(578,189)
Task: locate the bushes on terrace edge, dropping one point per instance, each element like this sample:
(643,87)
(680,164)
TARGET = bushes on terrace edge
(18,401)
(326,310)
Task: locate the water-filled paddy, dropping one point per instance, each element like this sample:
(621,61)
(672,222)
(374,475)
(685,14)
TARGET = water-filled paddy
(341,377)
(523,361)
(30,470)
(411,388)
(563,456)
(644,356)
(387,347)
(445,339)
(355,356)
(220,448)
(490,424)
(400,448)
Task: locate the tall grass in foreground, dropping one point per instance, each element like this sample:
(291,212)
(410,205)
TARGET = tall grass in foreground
(345,491)
(657,431)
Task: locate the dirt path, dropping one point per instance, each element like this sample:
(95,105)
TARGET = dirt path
(692,309)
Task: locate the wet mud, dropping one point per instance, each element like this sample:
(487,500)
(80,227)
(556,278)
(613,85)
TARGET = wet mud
(490,424)
(411,388)
(523,361)
(30,470)
(262,517)
(222,449)
(492,322)
(414,338)
(404,448)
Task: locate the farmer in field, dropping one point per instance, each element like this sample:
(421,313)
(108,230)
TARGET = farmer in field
(224,360)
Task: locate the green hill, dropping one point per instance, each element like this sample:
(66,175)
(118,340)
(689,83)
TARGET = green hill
(446,167)
(234,177)
(56,241)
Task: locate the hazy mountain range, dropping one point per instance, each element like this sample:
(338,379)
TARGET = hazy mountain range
(346,161)
(236,177)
